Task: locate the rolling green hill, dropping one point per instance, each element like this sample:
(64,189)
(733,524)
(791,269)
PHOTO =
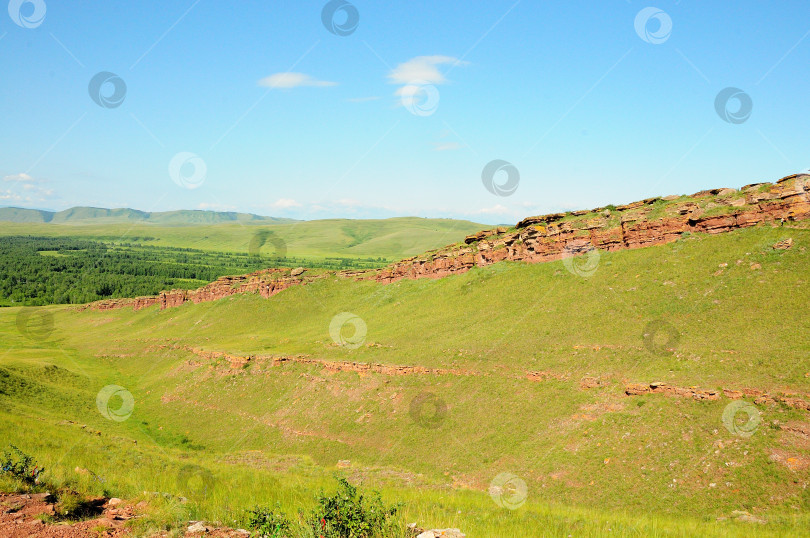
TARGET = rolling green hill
(392,239)
(433,389)
(84,215)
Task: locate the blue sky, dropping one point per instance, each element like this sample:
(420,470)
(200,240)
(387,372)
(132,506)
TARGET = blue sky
(262,109)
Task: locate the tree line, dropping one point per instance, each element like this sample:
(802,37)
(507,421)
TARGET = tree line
(64,270)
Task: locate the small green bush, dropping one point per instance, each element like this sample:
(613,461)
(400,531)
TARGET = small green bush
(348,514)
(269,523)
(20,465)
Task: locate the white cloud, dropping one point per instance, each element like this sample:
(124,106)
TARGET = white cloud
(423,69)
(497,209)
(25,188)
(286,81)
(348,202)
(418,78)
(20,178)
(284,203)
(8,195)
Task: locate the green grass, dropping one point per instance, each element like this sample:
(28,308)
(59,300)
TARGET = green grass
(595,461)
(392,239)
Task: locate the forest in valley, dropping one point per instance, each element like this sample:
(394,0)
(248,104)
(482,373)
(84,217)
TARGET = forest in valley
(64,270)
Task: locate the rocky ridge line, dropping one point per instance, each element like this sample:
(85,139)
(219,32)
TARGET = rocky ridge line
(654,221)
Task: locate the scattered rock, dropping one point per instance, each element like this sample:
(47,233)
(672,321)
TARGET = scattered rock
(443,533)
(115,501)
(756,266)
(745,517)
(197,526)
(590,383)
(344,464)
(297,271)
(784,244)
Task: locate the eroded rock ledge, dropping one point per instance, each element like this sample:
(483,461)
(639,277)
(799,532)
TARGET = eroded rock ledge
(790,399)
(653,221)
(266,283)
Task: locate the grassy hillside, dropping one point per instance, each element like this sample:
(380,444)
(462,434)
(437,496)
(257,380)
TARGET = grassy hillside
(521,369)
(392,239)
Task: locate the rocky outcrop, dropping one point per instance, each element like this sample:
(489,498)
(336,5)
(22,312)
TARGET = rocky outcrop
(266,283)
(653,221)
(790,399)
(636,389)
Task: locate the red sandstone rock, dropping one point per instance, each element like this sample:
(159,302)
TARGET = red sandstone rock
(535,239)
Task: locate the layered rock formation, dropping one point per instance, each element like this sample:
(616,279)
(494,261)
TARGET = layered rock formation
(654,221)
(649,222)
(266,283)
(790,399)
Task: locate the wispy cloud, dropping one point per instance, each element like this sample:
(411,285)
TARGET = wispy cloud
(418,79)
(284,203)
(349,202)
(9,196)
(287,81)
(25,189)
(446,146)
(20,178)
(423,69)
(497,209)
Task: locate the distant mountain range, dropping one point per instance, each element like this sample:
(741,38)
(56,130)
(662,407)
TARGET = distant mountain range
(79,215)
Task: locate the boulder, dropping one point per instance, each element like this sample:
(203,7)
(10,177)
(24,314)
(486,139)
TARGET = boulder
(197,526)
(297,271)
(784,244)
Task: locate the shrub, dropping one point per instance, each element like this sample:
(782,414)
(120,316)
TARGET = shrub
(20,465)
(74,506)
(269,523)
(70,505)
(348,514)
